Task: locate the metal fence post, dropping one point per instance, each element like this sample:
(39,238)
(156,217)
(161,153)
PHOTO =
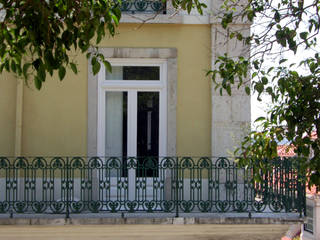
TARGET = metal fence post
(67,186)
(177,187)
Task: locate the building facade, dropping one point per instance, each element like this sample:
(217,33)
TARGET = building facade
(172,48)
(157,102)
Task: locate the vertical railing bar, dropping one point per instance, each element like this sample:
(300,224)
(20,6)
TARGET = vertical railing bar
(177,190)
(67,186)
(44,176)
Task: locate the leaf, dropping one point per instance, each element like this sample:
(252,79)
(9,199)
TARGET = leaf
(259,119)
(25,69)
(189,7)
(42,73)
(247,89)
(13,66)
(74,68)
(312,67)
(96,67)
(254,74)
(228,89)
(269,90)
(281,37)
(115,19)
(107,66)
(250,15)
(277,16)
(283,60)
(117,12)
(7,65)
(239,36)
(264,80)
(62,72)
(304,35)
(259,87)
(37,82)
(270,69)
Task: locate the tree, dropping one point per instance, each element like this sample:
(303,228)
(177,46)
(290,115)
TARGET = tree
(37,37)
(280,28)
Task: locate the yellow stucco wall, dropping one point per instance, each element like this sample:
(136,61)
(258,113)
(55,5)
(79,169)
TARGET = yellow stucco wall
(7,113)
(55,118)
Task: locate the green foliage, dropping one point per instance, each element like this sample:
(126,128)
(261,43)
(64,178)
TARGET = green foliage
(37,37)
(189,5)
(289,26)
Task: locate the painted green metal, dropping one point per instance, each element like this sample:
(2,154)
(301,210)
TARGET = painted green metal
(150,184)
(143,6)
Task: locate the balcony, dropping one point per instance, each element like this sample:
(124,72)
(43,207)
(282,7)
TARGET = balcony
(173,185)
(143,6)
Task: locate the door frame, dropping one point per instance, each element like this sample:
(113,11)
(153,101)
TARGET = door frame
(133,87)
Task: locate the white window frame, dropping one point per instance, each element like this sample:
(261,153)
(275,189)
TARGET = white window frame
(133,87)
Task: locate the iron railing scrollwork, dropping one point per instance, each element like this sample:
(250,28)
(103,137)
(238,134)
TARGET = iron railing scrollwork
(175,185)
(143,6)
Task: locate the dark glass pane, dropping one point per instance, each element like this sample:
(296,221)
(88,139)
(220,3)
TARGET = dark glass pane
(141,73)
(148,134)
(134,73)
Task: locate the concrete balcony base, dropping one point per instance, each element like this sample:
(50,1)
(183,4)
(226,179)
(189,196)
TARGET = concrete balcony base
(151,218)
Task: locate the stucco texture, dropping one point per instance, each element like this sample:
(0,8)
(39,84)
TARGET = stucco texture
(7,113)
(55,118)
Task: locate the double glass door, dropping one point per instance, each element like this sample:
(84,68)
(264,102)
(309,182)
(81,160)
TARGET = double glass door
(132,129)
(132,121)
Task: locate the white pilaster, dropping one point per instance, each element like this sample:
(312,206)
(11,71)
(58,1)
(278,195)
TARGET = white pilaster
(231,115)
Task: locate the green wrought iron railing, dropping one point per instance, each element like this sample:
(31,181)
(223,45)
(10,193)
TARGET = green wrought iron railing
(143,6)
(149,184)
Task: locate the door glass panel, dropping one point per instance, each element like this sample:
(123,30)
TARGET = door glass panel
(135,73)
(116,126)
(148,134)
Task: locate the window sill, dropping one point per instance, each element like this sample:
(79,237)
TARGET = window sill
(152,18)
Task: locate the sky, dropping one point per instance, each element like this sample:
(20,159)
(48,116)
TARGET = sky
(258,108)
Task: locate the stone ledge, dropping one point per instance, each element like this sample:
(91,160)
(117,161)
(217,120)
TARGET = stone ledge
(165,19)
(164,53)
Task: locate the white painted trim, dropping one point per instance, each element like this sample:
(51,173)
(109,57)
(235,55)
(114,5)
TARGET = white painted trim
(137,61)
(163,118)
(132,124)
(101,117)
(144,85)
